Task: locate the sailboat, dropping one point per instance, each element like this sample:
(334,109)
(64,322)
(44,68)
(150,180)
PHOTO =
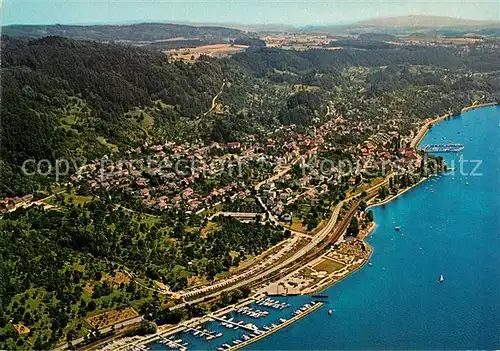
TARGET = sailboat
(330,312)
(441,279)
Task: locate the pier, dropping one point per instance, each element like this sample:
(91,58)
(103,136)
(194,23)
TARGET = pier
(204,333)
(452,147)
(175,344)
(286,323)
(236,324)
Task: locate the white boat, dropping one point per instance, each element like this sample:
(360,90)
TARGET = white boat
(441,279)
(282,320)
(218,335)
(396,228)
(330,312)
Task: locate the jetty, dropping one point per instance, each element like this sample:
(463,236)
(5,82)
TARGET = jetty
(173,344)
(284,323)
(250,327)
(451,147)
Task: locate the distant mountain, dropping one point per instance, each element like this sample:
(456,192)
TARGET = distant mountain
(408,24)
(425,21)
(134,32)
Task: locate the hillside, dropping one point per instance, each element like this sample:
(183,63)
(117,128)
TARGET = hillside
(79,99)
(133,32)
(108,238)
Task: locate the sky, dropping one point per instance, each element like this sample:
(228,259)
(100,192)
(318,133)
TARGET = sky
(293,12)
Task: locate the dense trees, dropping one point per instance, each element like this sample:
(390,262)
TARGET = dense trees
(66,98)
(44,252)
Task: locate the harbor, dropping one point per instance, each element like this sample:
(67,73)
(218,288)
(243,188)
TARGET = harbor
(438,148)
(236,328)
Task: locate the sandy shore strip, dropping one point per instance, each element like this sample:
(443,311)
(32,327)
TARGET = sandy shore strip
(425,128)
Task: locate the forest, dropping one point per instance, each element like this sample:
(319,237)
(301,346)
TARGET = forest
(81,99)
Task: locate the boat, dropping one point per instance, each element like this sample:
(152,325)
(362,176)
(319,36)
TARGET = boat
(441,279)
(396,228)
(220,349)
(218,335)
(330,312)
(370,264)
(282,320)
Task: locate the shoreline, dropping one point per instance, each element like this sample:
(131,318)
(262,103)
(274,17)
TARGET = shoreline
(414,143)
(426,127)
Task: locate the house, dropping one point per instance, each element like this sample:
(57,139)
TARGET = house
(187,193)
(27,198)
(311,193)
(287,217)
(161,205)
(234,145)
(324,188)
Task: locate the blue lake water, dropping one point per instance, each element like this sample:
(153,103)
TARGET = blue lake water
(450,225)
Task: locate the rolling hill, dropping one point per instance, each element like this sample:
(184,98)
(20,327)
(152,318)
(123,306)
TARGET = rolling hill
(142,32)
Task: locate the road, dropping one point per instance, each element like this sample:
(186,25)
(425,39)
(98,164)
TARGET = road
(102,331)
(316,239)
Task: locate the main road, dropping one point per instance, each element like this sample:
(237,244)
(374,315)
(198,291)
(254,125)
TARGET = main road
(316,239)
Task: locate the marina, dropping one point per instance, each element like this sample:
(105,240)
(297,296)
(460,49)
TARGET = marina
(438,148)
(240,327)
(455,240)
